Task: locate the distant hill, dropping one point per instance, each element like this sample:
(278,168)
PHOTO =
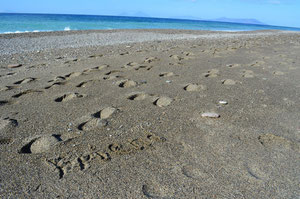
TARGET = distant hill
(246,21)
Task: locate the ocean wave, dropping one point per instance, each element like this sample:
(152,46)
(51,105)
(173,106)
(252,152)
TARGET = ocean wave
(25,31)
(67,28)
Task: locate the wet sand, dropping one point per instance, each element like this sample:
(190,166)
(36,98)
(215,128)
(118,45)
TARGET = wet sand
(150,114)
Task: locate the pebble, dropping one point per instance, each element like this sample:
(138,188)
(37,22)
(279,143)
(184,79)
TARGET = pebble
(223,102)
(168,81)
(211,115)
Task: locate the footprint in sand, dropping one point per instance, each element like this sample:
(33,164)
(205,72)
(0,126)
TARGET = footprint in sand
(41,144)
(166,74)
(105,113)
(229,82)
(55,85)
(151,59)
(163,101)
(112,72)
(124,53)
(95,56)
(93,123)
(73,74)
(4,102)
(71,60)
(194,87)
(26,92)
(194,172)
(138,96)
(57,79)
(257,63)
(212,73)
(112,77)
(7,88)
(155,190)
(84,84)
(127,83)
(8,74)
(7,125)
(188,54)
(233,65)
(98,120)
(255,172)
(176,57)
(144,67)
(248,74)
(277,142)
(97,68)
(130,65)
(14,65)
(68,97)
(26,80)
(278,73)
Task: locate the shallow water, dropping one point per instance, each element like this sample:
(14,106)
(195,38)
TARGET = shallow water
(16,23)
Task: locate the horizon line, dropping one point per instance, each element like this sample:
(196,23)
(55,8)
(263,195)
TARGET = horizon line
(153,17)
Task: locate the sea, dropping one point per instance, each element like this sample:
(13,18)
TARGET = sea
(19,23)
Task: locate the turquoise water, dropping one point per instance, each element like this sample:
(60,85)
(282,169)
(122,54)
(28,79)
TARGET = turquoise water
(14,23)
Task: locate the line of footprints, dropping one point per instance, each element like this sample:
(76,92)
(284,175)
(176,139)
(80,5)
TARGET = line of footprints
(98,120)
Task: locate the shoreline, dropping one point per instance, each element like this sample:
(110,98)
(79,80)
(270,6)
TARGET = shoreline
(35,42)
(167,31)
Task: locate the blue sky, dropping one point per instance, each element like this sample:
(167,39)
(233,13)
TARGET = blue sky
(274,12)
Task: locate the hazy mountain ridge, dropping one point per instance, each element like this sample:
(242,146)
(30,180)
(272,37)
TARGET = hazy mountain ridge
(245,21)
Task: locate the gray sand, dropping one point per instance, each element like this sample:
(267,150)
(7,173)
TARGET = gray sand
(150,114)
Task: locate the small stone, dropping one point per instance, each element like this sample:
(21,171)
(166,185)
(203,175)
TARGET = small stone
(211,115)
(168,81)
(14,65)
(223,102)
(163,101)
(107,112)
(43,144)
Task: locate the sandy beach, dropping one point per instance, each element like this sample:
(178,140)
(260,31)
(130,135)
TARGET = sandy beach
(150,114)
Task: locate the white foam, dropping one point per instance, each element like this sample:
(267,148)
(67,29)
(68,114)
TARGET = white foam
(25,31)
(67,28)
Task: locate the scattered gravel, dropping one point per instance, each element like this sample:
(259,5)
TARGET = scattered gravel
(30,42)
